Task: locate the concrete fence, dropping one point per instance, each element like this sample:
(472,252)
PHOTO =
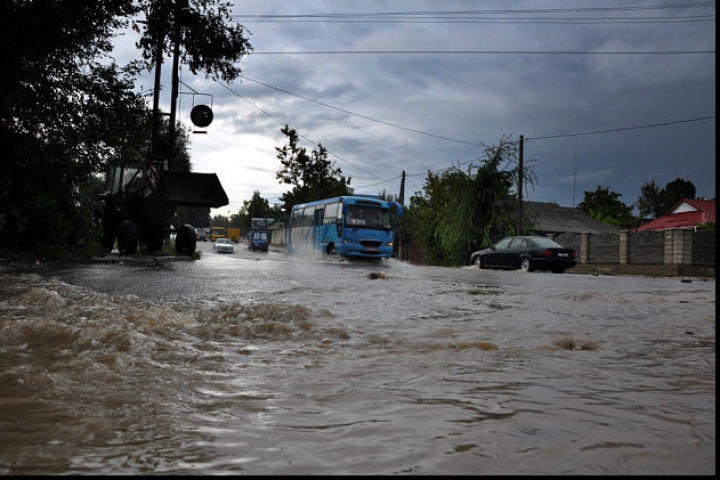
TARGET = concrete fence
(649,252)
(667,252)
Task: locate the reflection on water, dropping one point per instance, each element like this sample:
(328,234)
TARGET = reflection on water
(271,366)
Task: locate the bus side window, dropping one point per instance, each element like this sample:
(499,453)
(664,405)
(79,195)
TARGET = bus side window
(308,215)
(331,214)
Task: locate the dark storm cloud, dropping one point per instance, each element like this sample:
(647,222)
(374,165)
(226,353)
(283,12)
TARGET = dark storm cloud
(380,114)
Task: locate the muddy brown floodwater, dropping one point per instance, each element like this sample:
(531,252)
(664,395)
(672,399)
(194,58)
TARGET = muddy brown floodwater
(258,363)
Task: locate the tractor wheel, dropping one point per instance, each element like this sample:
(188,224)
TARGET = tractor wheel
(108,228)
(127,238)
(185,241)
(107,241)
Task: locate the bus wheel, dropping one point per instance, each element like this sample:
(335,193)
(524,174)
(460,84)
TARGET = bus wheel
(127,238)
(331,249)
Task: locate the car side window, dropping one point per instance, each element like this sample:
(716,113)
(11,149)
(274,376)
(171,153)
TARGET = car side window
(503,244)
(514,245)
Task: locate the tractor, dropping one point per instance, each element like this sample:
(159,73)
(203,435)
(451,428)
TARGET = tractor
(138,203)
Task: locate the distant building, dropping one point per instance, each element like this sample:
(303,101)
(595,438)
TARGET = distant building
(551,218)
(687,213)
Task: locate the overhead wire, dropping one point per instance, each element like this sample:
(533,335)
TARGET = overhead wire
(527,138)
(495,15)
(479,16)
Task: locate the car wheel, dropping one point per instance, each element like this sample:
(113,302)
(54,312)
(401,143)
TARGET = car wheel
(478,262)
(525,265)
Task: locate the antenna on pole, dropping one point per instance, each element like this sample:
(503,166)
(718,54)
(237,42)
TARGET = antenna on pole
(575,173)
(520,187)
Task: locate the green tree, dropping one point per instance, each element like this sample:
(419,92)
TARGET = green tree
(67,110)
(673,192)
(312,175)
(650,203)
(219,221)
(256,207)
(62,106)
(457,211)
(198,217)
(655,201)
(209,40)
(605,205)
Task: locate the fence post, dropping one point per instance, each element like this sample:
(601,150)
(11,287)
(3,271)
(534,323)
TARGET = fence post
(669,237)
(682,247)
(624,251)
(584,247)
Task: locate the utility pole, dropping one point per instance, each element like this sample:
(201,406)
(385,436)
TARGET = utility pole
(156,95)
(520,187)
(155,149)
(401,201)
(175,76)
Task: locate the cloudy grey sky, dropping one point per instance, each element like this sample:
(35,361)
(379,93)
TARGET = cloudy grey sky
(611,93)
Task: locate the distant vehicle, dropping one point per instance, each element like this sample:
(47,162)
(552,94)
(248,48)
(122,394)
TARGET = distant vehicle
(233,234)
(359,226)
(223,245)
(258,240)
(217,232)
(200,235)
(526,253)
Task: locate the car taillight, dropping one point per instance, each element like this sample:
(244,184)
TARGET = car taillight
(547,253)
(572,254)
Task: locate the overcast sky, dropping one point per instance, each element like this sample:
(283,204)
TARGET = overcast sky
(612,93)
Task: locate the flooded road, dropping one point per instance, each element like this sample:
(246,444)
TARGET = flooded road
(257,363)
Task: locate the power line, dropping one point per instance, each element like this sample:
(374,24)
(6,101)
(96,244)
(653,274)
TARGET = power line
(527,138)
(227,87)
(622,129)
(495,15)
(485,52)
(462,19)
(394,125)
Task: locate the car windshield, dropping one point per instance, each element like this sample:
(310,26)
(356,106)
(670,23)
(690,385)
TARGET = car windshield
(223,240)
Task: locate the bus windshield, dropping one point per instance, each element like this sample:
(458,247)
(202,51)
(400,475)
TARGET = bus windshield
(368,216)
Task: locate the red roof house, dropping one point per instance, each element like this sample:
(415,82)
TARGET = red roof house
(687,213)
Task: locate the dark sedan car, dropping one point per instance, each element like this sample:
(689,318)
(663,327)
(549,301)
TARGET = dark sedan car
(526,253)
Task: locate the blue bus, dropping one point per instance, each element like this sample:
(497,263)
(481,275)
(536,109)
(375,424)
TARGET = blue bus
(357,226)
